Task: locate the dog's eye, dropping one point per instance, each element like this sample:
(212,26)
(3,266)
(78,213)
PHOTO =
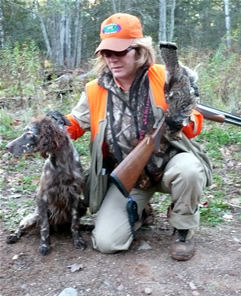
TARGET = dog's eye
(29,134)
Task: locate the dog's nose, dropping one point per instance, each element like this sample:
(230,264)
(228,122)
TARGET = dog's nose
(9,147)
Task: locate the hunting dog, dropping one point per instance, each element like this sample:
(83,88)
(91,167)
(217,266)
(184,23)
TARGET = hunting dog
(58,199)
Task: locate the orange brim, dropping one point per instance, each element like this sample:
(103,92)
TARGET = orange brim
(115,44)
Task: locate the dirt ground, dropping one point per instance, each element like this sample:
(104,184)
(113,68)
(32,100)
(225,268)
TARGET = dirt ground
(214,270)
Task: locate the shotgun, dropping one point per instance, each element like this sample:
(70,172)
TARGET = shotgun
(218,115)
(126,174)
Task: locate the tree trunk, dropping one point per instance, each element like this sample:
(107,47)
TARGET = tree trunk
(76,34)
(44,32)
(127,5)
(79,43)
(68,40)
(227,23)
(162,21)
(172,20)
(114,6)
(2,35)
(62,32)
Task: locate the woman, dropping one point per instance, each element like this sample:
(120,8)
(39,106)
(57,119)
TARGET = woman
(112,107)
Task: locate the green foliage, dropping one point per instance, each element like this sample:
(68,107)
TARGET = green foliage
(212,214)
(25,184)
(6,125)
(160,202)
(220,78)
(20,25)
(219,74)
(216,136)
(15,213)
(82,144)
(198,23)
(11,127)
(20,69)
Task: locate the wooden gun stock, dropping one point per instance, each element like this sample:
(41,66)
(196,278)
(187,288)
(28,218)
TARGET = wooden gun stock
(126,174)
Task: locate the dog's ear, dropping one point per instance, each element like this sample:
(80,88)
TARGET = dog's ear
(51,136)
(59,118)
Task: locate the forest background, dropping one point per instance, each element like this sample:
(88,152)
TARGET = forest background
(63,35)
(42,36)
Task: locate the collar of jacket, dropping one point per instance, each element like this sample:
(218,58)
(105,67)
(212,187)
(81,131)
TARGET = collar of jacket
(107,81)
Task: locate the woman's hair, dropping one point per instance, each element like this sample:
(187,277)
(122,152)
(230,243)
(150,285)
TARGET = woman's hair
(145,55)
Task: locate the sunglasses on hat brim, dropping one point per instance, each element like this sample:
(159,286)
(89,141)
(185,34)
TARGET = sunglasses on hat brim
(108,53)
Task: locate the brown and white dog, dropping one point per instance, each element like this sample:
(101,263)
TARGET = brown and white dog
(58,199)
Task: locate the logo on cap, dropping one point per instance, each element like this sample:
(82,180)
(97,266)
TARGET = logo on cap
(111,29)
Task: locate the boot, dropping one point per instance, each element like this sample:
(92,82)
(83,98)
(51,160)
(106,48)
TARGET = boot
(182,247)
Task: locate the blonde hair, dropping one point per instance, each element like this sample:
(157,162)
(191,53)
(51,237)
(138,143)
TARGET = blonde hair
(145,55)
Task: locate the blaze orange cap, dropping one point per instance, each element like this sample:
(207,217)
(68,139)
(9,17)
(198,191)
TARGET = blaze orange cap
(119,31)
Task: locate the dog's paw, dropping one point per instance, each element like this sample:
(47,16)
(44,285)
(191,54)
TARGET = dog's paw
(80,244)
(12,239)
(44,249)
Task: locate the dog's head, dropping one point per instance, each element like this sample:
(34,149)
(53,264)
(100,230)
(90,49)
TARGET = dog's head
(27,142)
(45,134)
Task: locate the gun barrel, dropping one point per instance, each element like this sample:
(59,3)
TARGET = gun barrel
(218,115)
(226,114)
(232,121)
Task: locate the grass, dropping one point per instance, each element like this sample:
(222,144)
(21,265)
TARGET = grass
(215,137)
(14,212)
(220,141)
(82,146)
(6,126)
(26,184)
(213,214)
(160,202)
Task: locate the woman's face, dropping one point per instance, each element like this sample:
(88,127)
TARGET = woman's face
(122,67)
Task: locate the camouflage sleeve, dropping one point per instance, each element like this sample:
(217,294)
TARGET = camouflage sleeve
(81,112)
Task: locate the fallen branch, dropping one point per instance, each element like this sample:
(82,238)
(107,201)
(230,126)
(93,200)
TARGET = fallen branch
(234,206)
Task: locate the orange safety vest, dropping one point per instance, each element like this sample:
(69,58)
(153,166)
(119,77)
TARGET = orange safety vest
(97,98)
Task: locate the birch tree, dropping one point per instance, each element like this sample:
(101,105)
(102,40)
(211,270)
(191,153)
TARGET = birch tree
(166,20)
(172,20)
(44,31)
(77,40)
(114,6)
(127,5)
(60,24)
(227,23)
(162,36)
(2,37)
